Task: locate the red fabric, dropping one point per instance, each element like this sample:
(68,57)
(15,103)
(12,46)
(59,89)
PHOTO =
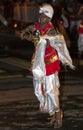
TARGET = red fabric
(45,29)
(80,30)
(51,67)
(43,91)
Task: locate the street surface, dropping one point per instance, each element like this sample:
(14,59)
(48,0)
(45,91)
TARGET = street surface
(18,104)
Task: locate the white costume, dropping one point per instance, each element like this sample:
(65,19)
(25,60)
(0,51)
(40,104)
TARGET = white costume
(46,86)
(49,102)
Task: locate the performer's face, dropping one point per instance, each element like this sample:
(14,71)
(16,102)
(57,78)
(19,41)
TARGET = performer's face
(43,18)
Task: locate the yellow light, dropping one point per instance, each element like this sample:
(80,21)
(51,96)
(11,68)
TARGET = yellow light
(15,25)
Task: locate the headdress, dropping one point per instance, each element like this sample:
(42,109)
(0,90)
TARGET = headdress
(47,10)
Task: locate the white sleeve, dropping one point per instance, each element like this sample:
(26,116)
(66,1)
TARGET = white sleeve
(38,68)
(59,44)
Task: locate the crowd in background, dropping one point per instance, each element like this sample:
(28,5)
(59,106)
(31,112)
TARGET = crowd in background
(67,16)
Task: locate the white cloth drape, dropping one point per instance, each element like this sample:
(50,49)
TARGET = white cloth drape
(50,101)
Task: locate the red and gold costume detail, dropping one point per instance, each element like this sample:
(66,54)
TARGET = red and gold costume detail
(50,50)
(51,56)
(46,65)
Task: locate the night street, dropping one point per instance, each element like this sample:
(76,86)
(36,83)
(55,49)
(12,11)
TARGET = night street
(18,104)
(23,115)
(41,48)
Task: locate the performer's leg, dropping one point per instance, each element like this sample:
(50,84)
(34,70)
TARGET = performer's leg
(38,93)
(52,92)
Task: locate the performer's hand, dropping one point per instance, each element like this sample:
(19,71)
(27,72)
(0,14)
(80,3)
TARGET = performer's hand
(21,34)
(70,66)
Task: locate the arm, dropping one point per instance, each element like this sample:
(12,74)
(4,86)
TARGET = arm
(60,45)
(26,33)
(58,42)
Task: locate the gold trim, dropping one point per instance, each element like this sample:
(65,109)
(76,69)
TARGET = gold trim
(51,60)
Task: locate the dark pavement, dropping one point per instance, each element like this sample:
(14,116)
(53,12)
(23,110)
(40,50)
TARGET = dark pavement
(20,111)
(22,115)
(18,104)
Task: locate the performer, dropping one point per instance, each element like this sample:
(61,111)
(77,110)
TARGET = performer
(50,50)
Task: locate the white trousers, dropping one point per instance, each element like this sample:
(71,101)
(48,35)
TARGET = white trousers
(48,96)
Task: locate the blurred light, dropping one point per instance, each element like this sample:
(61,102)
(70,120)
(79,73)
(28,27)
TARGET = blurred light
(15,25)
(3,20)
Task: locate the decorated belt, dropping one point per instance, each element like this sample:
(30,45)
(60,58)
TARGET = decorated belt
(51,53)
(51,60)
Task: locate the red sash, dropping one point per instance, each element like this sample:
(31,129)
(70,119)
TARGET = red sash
(51,57)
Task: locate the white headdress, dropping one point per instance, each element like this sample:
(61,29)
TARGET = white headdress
(47,10)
